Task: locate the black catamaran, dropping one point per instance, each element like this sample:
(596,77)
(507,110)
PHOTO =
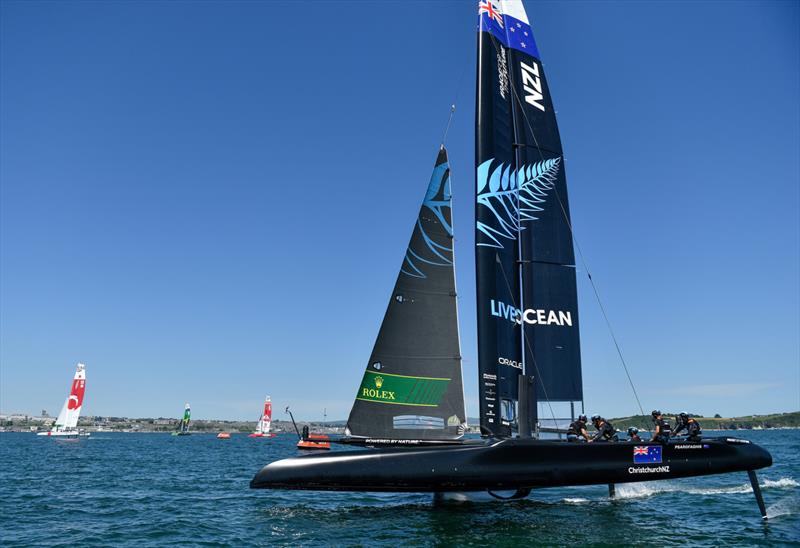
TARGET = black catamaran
(409,408)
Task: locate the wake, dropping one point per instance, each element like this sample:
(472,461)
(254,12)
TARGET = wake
(648,489)
(784,507)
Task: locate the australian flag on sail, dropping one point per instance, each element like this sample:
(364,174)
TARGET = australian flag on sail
(508,22)
(647,454)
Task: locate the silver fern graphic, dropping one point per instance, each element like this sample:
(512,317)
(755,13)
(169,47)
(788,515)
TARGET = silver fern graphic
(513,197)
(437,202)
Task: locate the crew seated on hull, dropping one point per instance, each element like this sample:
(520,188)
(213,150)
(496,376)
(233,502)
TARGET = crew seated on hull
(663,429)
(577,430)
(605,430)
(693,430)
(633,434)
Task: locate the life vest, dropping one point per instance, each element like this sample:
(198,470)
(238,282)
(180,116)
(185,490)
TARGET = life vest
(576,427)
(664,431)
(607,431)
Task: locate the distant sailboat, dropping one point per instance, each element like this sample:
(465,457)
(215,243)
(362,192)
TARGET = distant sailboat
(183,426)
(66,425)
(264,422)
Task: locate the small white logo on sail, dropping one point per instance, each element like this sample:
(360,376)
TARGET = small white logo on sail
(502,72)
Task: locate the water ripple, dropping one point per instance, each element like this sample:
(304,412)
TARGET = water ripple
(157,490)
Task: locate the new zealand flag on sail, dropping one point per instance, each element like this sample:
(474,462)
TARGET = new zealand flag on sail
(647,454)
(507,21)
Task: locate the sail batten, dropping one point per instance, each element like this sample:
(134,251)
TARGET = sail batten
(412,387)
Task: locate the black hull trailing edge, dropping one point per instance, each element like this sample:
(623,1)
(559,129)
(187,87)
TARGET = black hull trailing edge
(509,464)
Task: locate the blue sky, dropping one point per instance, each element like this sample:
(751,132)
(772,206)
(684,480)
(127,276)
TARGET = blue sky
(209,202)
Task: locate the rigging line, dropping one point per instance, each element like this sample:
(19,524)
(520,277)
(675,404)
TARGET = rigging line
(583,262)
(455,102)
(527,343)
(449,121)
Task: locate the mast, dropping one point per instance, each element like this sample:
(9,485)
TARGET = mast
(526,291)
(497,227)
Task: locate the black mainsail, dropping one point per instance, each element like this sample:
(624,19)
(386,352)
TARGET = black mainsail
(412,387)
(526,289)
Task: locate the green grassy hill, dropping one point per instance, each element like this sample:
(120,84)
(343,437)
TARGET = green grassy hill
(747,422)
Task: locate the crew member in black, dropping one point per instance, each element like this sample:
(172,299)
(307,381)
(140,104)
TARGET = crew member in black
(605,431)
(633,434)
(577,430)
(663,429)
(692,427)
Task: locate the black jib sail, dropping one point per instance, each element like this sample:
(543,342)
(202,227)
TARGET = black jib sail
(524,254)
(412,387)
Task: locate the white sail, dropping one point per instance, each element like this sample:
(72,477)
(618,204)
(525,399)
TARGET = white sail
(61,421)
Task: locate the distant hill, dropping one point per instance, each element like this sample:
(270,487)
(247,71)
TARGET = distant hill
(746,422)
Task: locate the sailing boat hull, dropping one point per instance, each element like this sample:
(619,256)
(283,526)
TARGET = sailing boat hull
(65,435)
(315,442)
(509,464)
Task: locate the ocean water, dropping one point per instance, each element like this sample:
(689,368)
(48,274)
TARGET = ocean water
(157,490)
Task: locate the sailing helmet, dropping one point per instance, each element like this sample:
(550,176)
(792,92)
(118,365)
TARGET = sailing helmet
(656,413)
(582,418)
(633,430)
(595,417)
(684,417)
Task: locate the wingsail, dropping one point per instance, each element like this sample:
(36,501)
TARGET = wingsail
(183,425)
(264,421)
(67,420)
(525,262)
